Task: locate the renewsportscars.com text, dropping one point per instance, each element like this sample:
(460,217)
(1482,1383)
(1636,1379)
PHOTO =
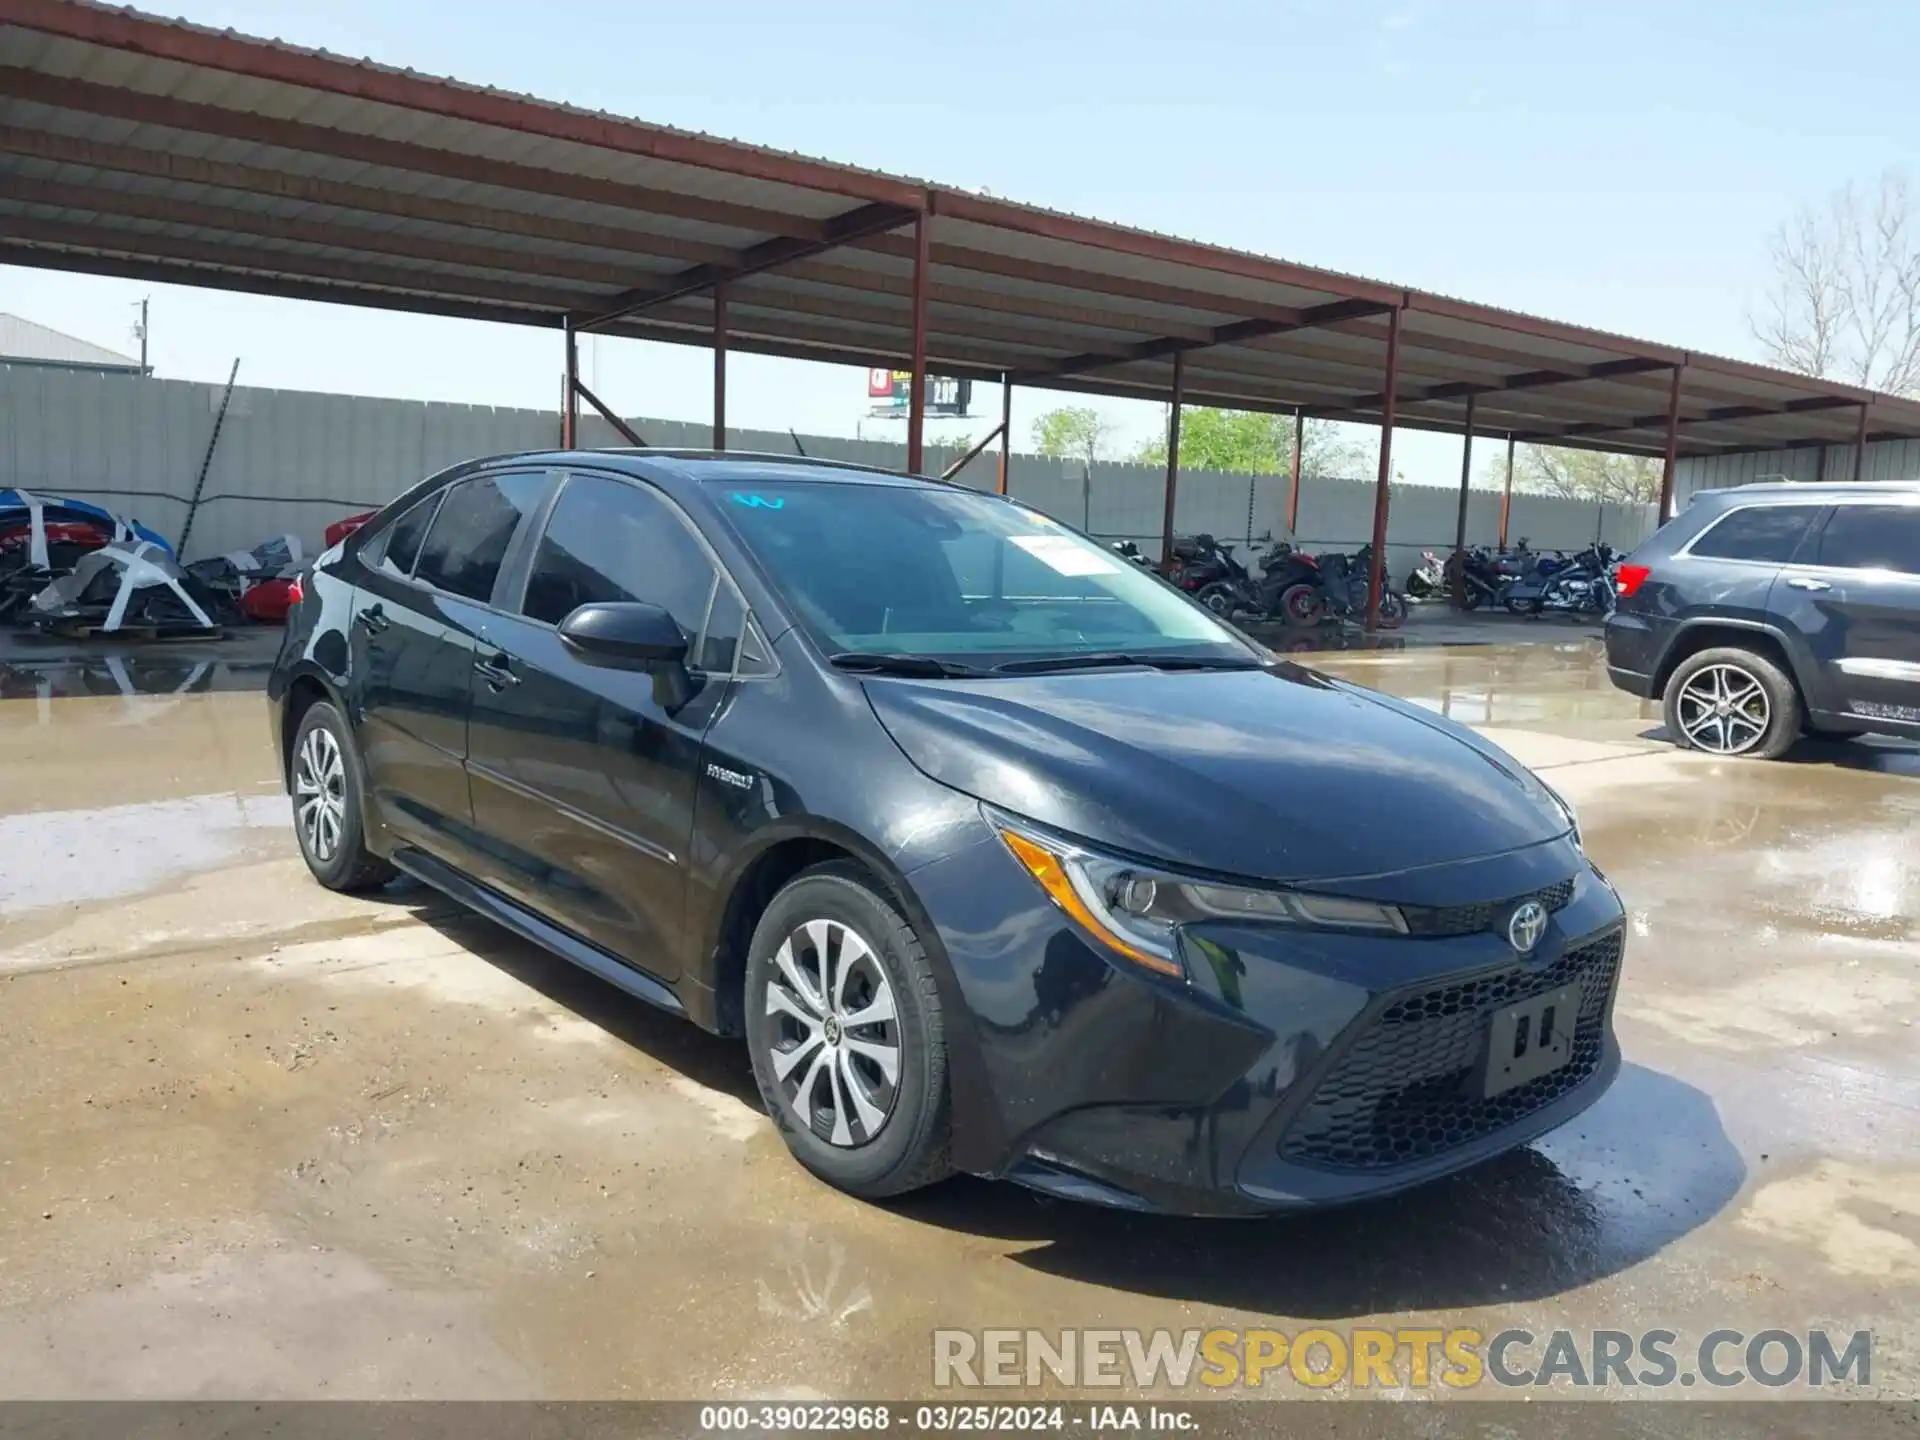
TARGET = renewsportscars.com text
(1366,1358)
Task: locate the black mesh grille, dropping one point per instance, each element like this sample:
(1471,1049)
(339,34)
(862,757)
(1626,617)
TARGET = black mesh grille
(1401,1092)
(1433,923)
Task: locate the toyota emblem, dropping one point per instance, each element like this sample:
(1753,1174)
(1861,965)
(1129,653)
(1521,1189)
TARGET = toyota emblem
(1526,925)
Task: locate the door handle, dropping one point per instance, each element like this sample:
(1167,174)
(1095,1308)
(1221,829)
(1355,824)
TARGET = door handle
(372,618)
(1807,582)
(495,672)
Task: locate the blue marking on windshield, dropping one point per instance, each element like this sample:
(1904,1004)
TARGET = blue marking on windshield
(759,502)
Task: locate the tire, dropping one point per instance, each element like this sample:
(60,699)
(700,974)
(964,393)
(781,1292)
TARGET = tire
(1302,604)
(328,790)
(790,1030)
(1761,715)
(1220,597)
(1470,598)
(1393,610)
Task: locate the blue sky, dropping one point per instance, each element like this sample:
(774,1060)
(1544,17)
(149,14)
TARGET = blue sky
(1616,164)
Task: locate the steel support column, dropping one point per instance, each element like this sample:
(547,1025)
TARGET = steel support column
(1006,427)
(1673,446)
(1506,495)
(1460,522)
(570,387)
(1293,489)
(1860,448)
(917,399)
(1173,461)
(720,365)
(1377,571)
(1820,466)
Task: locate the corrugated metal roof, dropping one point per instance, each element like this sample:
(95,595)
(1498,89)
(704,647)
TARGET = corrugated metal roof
(152,148)
(22,342)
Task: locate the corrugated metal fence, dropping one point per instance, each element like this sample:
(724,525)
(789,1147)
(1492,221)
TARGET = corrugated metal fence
(1885,460)
(293,461)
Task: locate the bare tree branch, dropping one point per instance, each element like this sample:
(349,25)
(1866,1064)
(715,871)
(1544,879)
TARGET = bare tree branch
(1845,299)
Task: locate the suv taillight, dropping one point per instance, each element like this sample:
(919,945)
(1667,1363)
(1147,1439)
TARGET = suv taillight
(1628,579)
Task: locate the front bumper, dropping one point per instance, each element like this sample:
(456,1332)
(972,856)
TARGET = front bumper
(1289,1070)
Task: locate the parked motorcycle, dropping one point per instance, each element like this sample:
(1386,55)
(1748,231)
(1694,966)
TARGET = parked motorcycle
(1428,579)
(1128,550)
(1483,577)
(1291,586)
(1347,578)
(1580,586)
(1207,571)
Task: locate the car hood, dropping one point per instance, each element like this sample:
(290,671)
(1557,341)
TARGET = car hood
(1280,774)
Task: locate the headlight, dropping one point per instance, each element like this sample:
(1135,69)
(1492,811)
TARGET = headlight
(1566,809)
(1138,910)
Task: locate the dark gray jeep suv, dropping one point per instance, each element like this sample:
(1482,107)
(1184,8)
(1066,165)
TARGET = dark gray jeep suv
(1770,611)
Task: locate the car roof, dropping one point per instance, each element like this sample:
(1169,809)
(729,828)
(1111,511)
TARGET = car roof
(1811,491)
(720,467)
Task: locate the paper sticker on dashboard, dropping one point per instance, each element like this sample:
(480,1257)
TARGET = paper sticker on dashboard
(1065,555)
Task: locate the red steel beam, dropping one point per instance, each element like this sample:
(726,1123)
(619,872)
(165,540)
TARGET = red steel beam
(570,387)
(264,60)
(997,433)
(1716,416)
(1173,462)
(1525,380)
(1671,459)
(143,108)
(767,255)
(917,398)
(1460,521)
(369,199)
(1377,571)
(1293,489)
(1234,334)
(1506,496)
(631,435)
(720,365)
(1006,429)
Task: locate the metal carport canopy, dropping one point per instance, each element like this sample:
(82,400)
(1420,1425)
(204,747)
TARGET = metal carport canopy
(138,146)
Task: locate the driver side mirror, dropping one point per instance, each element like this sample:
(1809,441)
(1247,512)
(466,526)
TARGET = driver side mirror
(632,635)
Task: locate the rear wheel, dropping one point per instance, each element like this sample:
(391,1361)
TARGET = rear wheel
(1393,610)
(1733,702)
(845,1031)
(327,794)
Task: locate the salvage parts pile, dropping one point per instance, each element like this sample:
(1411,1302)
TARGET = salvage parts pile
(71,568)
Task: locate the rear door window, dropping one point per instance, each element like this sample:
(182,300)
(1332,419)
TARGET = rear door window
(1872,537)
(469,538)
(395,550)
(1768,533)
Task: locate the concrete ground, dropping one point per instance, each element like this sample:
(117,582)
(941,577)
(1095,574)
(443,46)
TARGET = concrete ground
(258,1140)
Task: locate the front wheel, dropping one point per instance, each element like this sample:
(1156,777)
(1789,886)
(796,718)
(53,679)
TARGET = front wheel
(1393,610)
(846,1036)
(1302,604)
(1220,597)
(1733,702)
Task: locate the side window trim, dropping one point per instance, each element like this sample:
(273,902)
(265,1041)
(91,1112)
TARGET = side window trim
(413,578)
(384,536)
(1816,524)
(721,574)
(1855,502)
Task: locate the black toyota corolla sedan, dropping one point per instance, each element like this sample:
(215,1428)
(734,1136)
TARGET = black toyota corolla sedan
(1001,855)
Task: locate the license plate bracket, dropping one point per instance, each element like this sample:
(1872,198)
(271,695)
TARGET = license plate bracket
(1528,1040)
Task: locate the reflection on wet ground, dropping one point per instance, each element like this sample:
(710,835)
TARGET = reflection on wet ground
(262,1139)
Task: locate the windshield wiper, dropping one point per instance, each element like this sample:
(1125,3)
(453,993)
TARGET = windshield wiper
(876,662)
(1111,659)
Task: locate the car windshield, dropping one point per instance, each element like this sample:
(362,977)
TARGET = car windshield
(928,571)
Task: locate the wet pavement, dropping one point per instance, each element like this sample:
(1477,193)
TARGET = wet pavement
(260,1140)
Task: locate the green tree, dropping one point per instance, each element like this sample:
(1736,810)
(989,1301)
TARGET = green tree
(1073,432)
(1251,442)
(1578,474)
